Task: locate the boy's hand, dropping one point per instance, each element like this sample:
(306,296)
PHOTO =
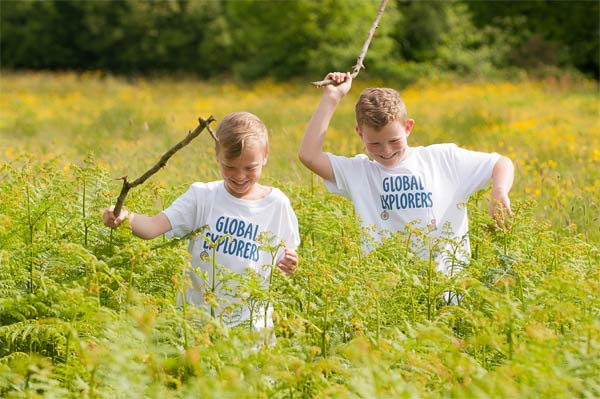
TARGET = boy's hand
(109,219)
(288,263)
(500,209)
(342,85)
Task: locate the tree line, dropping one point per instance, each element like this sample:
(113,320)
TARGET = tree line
(253,39)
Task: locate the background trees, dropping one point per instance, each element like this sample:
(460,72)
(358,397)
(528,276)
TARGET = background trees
(281,39)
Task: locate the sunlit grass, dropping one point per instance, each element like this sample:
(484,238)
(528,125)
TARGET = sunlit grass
(89,312)
(550,129)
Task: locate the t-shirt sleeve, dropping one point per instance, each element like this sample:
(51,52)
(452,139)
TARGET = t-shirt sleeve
(344,169)
(474,168)
(289,225)
(186,211)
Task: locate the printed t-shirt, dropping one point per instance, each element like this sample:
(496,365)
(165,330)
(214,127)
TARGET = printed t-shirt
(210,207)
(429,190)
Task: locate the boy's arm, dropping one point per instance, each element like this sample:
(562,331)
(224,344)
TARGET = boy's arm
(502,180)
(311,150)
(146,227)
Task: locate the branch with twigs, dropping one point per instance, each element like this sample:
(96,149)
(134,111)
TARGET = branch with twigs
(363,52)
(162,162)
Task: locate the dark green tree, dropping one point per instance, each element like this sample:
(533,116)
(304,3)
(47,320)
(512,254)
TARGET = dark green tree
(419,33)
(299,38)
(560,32)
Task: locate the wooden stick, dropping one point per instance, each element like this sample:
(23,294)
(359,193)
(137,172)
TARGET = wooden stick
(363,52)
(162,162)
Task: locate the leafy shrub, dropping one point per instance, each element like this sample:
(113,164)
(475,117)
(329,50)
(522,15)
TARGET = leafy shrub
(88,312)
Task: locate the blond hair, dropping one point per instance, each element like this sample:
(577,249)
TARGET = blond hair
(238,130)
(376,107)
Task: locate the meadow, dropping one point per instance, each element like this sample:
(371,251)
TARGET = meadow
(90,312)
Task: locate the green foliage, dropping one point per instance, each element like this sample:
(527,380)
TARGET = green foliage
(124,36)
(312,37)
(420,29)
(303,38)
(563,33)
(90,312)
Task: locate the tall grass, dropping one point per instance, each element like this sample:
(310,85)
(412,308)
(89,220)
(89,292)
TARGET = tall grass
(89,312)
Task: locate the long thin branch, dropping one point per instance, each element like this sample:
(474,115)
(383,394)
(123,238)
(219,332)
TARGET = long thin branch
(127,185)
(363,52)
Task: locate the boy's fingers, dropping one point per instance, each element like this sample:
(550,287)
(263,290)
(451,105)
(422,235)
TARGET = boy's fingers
(502,217)
(288,263)
(501,213)
(293,257)
(109,218)
(287,270)
(339,77)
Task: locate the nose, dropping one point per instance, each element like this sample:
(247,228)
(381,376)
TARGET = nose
(387,150)
(238,175)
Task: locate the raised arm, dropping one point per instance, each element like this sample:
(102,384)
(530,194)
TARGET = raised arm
(146,227)
(311,150)
(502,180)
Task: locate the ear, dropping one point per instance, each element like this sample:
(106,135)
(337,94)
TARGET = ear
(409,126)
(358,131)
(266,157)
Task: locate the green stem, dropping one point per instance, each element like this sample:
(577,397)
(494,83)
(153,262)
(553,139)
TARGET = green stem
(407,246)
(308,295)
(93,383)
(85,225)
(378,316)
(184,304)
(67,344)
(430,299)
(30,225)
(131,275)
(251,324)
(272,267)
(509,334)
(214,278)
(325,326)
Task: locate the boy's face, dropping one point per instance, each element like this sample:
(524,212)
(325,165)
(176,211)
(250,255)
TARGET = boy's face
(240,175)
(387,145)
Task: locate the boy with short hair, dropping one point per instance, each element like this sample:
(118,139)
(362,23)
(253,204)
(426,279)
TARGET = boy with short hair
(235,211)
(426,187)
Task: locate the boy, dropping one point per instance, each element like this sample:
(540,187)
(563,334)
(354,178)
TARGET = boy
(425,187)
(237,206)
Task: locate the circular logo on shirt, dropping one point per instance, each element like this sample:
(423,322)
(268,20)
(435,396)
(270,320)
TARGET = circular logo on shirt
(204,255)
(385,215)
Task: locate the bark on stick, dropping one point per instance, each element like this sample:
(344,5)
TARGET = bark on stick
(363,52)
(127,185)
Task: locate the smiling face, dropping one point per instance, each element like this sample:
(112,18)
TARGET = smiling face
(387,145)
(242,149)
(241,174)
(383,125)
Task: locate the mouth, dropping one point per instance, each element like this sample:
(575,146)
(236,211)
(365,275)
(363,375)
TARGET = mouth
(238,184)
(388,157)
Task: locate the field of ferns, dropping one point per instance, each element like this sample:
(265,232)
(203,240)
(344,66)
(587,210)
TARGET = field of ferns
(90,312)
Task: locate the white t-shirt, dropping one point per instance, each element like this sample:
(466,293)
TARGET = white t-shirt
(210,205)
(429,189)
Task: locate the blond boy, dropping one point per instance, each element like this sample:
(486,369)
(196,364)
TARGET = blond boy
(236,210)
